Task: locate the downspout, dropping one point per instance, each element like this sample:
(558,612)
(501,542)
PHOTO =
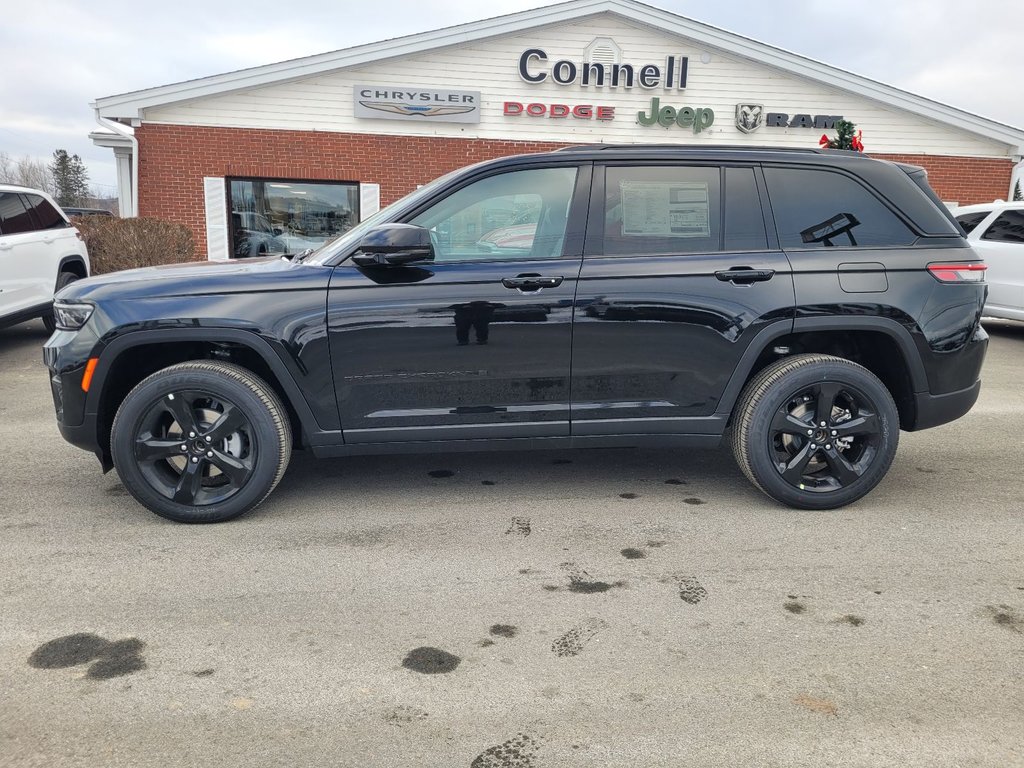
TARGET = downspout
(122,130)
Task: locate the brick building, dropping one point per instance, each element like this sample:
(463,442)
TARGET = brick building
(281,157)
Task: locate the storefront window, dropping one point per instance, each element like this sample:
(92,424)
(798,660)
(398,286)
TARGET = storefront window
(271,218)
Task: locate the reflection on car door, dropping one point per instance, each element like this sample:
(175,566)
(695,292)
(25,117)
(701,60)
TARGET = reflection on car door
(671,292)
(475,344)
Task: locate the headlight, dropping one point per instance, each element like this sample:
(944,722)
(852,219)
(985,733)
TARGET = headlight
(70,317)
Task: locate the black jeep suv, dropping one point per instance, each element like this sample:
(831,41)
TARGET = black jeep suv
(802,305)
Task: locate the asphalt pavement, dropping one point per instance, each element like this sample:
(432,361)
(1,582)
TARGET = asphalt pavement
(517,610)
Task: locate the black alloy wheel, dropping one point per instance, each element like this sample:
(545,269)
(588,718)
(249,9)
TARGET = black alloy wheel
(195,448)
(201,442)
(815,431)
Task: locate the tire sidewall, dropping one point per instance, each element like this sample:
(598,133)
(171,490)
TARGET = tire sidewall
(138,402)
(759,450)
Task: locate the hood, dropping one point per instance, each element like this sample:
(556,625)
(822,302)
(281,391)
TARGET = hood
(199,278)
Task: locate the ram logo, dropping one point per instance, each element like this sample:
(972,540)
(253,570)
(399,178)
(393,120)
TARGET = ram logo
(749,117)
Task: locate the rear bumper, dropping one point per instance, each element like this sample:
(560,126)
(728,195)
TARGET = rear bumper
(933,410)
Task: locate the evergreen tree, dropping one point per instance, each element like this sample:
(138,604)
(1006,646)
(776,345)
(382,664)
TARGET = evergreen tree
(1017,194)
(847,137)
(70,178)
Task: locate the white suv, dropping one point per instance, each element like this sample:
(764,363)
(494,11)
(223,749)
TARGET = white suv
(40,253)
(996,230)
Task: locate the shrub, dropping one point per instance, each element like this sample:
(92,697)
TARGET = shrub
(115,244)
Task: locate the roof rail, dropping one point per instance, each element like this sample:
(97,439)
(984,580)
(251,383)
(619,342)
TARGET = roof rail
(694,147)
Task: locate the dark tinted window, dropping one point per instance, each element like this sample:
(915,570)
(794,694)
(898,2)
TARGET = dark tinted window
(1008,228)
(46,215)
(744,224)
(662,210)
(820,209)
(971,220)
(14,217)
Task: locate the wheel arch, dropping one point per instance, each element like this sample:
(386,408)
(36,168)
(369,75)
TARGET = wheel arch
(132,357)
(74,264)
(880,344)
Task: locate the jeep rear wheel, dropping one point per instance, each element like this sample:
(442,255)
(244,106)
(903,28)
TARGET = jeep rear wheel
(815,432)
(201,442)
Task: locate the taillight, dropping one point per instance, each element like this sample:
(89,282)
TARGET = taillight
(958,273)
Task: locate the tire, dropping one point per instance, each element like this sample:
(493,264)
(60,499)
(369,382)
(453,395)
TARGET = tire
(250,441)
(782,448)
(63,279)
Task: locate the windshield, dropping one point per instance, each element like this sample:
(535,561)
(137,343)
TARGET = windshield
(347,240)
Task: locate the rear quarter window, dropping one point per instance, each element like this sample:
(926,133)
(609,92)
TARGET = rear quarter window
(817,208)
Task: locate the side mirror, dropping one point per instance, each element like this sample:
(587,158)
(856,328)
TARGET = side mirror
(394,245)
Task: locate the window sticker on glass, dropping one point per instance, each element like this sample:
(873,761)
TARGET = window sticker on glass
(665,208)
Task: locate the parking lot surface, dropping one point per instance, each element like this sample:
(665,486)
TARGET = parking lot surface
(597,608)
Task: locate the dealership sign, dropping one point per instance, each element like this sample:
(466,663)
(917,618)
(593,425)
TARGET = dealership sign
(534,68)
(750,117)
(426,105)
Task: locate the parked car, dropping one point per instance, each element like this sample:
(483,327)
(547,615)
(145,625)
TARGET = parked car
(40,253)
(996,232)
(87,212)
(255,235)
(662,302)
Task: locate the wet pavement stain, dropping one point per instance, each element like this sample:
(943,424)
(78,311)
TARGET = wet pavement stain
(675,481)
(203,672)
(430,661)
(813,703)
(583,583)
(693,501)
(853,621)
(121,658)
(486,643)
(1005,616)
(441,473)
(794,607)
(629,496)
(632,553)
(504,630)
(404,715)
(68,651)
(690,589)
(573,641)
(520,527)
(517,752)
(109,659)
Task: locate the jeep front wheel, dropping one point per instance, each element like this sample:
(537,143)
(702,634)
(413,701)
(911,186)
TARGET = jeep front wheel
(201,442)
(815,432)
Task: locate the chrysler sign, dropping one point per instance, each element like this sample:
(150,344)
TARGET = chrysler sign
(424,105)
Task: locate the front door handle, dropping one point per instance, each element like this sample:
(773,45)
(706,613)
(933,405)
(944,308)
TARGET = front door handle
(6,246)
(744,275)
(531,282)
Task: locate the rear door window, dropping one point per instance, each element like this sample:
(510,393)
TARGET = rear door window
(1008,228)
(824,209)
(970,221)
(662,210)
(14,216)
(46,215)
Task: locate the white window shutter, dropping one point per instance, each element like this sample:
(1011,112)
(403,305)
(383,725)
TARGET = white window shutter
(215,195)
(369,200)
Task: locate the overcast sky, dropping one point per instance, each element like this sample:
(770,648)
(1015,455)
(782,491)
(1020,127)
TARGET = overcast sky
(70,52)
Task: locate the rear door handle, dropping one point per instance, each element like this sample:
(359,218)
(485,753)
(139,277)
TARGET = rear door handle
(531,282)
(744,275)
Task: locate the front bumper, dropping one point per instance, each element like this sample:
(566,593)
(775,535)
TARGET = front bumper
(65,354)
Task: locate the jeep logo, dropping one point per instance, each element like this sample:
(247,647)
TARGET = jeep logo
(697,118)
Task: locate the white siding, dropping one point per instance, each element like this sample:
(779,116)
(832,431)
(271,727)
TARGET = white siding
(324,102)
